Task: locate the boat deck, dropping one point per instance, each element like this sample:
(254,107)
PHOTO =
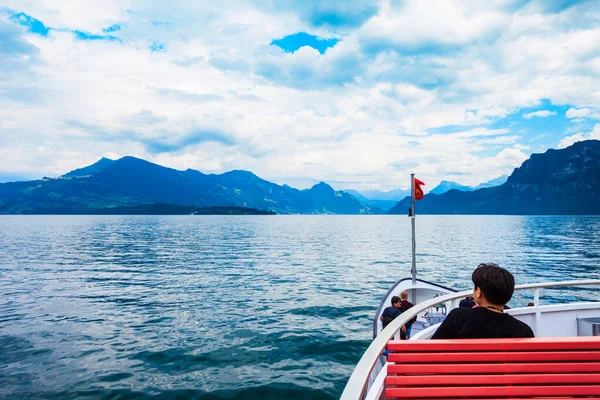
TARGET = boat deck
(368,381)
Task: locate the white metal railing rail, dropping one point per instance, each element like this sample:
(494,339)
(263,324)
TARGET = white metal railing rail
(358,380)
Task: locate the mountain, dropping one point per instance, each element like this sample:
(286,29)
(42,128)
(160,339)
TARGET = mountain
(325,200)
(384,205)
(494,182)
(130,181)
(565,181)
(394,194)
(91,169)
(391,195)
(356,194)
(446,186)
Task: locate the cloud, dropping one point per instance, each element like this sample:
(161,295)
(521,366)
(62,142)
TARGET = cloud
(578,137)
(178,144)
(479,132)
(327,13)
(33,25)
(164,136)
(155,46)
(16,52)
(83,16)
(187,97)
(308,68)
(81,35)
(112,28)
(416,27)
(539,114)
(187,62)
(555,6)
(392,95)
(37,27)
(578,113)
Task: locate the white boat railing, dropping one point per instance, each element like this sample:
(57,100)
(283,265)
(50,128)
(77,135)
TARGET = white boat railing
(360,376)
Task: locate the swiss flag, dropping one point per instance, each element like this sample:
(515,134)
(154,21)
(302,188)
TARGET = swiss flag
(418,191)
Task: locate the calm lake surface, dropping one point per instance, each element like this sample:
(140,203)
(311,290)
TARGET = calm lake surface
(222,307)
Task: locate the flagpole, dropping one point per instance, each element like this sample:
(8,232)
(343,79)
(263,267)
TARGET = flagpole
(413,270)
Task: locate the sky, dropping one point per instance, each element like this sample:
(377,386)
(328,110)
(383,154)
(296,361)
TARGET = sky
(357,94)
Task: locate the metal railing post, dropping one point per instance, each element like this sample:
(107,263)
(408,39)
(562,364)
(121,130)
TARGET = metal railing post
(538,313)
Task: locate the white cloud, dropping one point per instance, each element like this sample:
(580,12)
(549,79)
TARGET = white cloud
(75,14)
(578,113)
(578,137)
(539,114)
(221,97)
(416,24)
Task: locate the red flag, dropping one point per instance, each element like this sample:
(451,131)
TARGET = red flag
(418,191)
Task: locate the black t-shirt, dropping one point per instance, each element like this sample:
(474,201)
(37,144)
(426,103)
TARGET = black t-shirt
(388,315)
(391,312)
(481,323)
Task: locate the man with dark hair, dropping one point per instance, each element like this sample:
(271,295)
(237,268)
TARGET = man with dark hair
(390,313)
(493,288)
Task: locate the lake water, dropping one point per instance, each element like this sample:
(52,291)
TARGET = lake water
(221,307)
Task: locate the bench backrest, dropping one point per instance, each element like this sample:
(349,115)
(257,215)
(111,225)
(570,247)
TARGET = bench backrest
(494,368)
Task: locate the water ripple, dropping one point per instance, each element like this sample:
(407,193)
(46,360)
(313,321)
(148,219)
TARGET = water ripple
(114,307)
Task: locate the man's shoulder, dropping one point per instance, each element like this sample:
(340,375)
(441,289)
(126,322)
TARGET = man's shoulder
(520,325)
(390,310)
(461,311)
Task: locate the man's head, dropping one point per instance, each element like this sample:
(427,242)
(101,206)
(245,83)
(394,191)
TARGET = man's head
(395,300)
(404,295)
(493,284)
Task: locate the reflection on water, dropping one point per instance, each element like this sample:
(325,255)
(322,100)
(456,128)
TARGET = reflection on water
(222,307)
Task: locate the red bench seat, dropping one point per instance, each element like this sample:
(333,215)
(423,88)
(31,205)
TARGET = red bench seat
(535,368)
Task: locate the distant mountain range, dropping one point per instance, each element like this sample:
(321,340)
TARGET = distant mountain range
(385,205)
(394,194)
(557,182)
(130,181)
(493,183)
(387,200)
(563,181)
(446,186)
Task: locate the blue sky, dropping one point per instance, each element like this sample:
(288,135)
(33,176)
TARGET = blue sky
(293,42)
(354,94)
